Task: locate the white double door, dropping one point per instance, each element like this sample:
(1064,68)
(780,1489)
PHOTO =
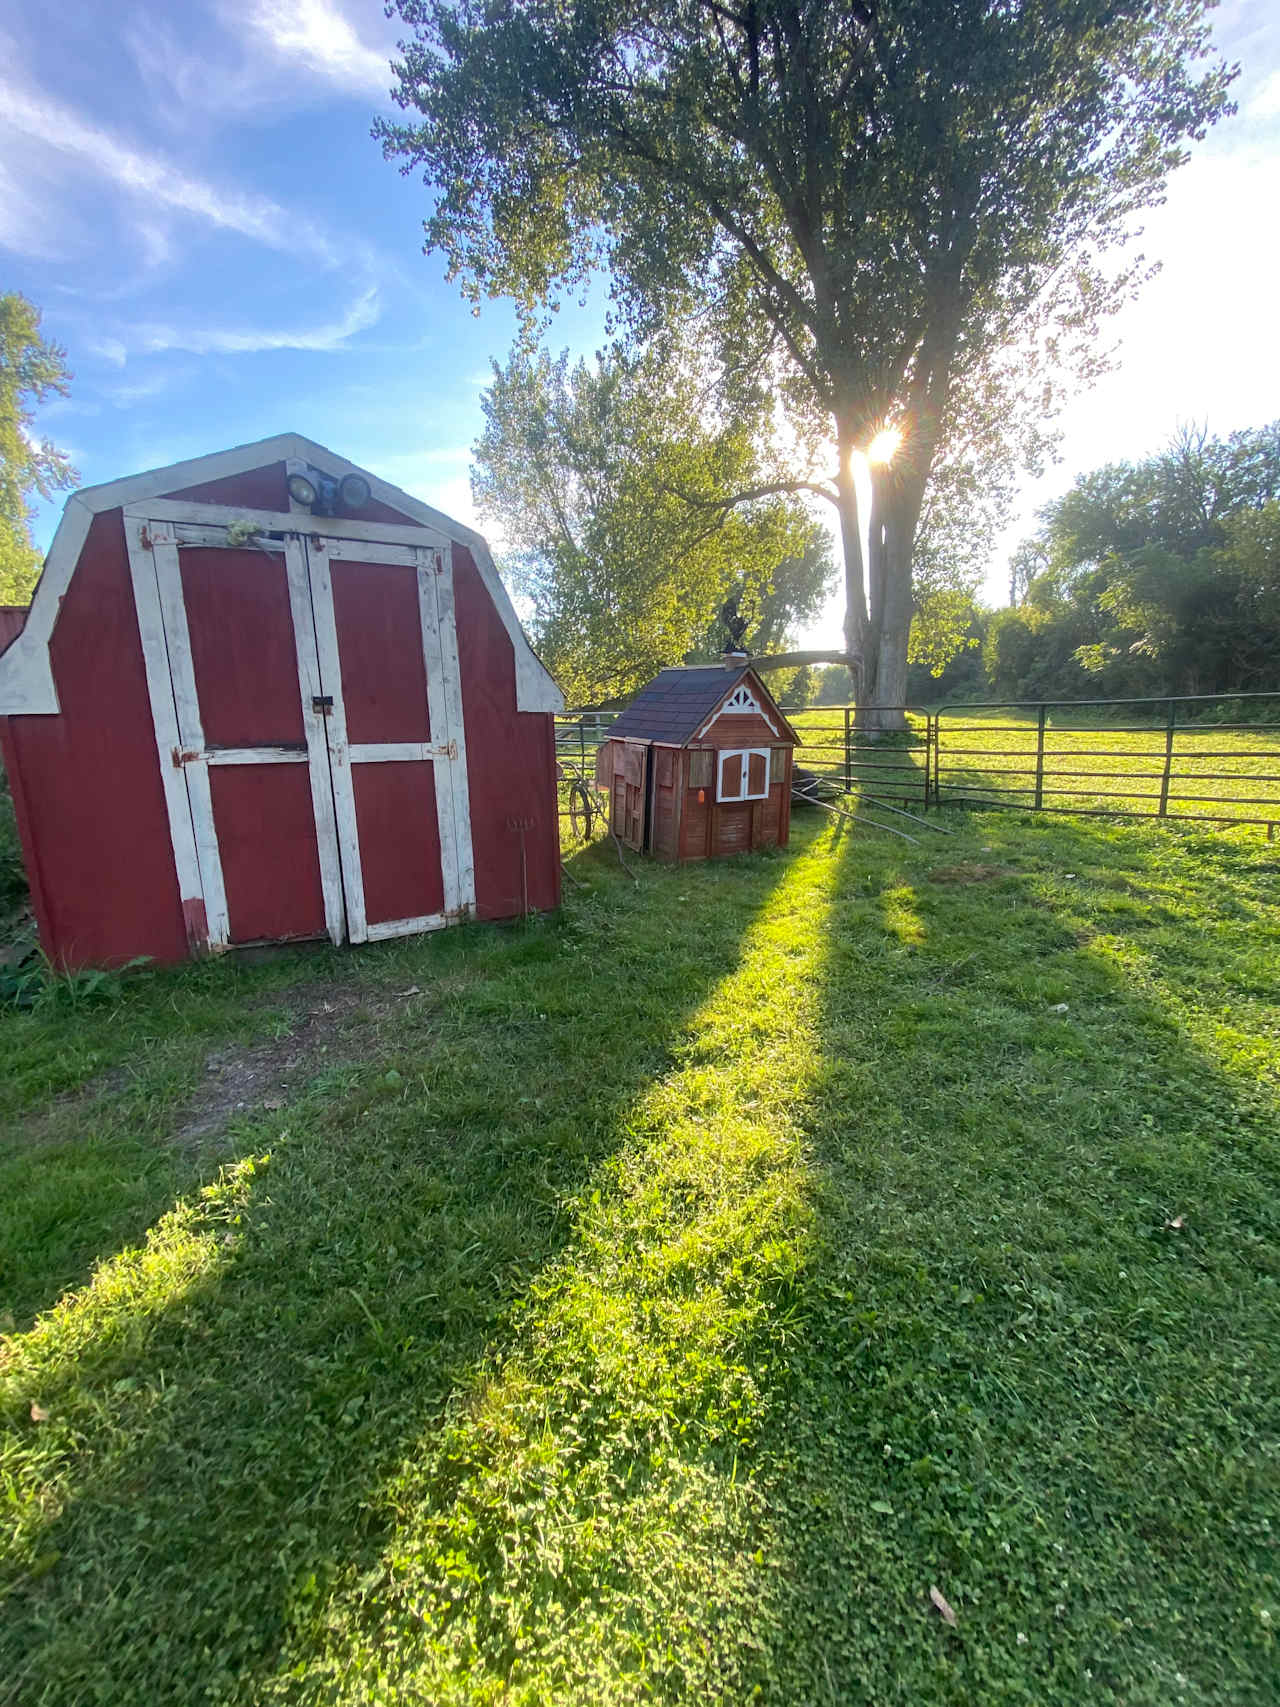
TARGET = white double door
(306,696)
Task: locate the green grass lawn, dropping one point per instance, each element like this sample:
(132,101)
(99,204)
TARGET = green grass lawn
(656,1302)
(992,755)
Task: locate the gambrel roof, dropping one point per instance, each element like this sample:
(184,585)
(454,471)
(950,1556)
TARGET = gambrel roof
(26,674)
(677,703)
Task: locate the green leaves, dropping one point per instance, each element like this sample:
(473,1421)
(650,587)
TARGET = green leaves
(31,368)
(881,215)
(1150,577)
(613,486)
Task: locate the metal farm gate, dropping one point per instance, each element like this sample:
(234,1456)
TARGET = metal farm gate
(1209,758)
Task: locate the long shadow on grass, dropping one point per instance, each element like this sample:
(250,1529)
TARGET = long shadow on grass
(849,1315)
(1031,1365)
(215,1419)
(94,1093)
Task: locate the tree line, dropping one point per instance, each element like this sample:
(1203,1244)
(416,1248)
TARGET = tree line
(1154,577)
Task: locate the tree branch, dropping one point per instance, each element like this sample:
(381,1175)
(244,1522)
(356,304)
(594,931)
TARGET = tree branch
(793,660)
(773,489)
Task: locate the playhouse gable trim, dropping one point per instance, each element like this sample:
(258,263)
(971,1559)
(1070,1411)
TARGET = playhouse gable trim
(680,705)
(26,676)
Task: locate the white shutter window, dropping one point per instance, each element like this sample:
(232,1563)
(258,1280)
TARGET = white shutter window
(743,774)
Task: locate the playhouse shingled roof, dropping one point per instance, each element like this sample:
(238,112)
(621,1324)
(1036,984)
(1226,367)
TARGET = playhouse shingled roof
(677,702)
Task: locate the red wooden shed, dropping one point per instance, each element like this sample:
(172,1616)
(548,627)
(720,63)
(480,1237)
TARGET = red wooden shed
(699,764)
(265,696)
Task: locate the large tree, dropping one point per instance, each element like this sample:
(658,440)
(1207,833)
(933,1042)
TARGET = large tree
(31,369)
(872,200)
(604,480)
(1157,576)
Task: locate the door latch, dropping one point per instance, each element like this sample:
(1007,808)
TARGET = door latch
(449,751)
(322,703)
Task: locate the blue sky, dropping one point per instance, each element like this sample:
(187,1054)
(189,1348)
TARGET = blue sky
(190,192)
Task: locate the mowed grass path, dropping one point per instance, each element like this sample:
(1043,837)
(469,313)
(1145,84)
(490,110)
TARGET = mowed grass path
(656,1302)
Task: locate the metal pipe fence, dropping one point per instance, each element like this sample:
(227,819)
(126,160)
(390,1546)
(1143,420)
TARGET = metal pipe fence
(1198,758)
(1209,758)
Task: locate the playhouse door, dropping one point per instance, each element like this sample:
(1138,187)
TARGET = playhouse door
(388,662)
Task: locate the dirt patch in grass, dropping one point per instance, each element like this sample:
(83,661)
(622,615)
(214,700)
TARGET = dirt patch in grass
(969,873)
(263,1076)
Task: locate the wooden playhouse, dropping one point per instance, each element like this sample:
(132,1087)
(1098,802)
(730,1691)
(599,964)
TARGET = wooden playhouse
(699,765)
(265,696)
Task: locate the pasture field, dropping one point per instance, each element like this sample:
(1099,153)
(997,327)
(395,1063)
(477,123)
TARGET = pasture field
(663,1300)
(991,755)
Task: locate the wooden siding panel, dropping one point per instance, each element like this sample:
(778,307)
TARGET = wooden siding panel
(264,488)
(243,650)
(12,617)
(267,844)
(87,788)
(399,840)
(384,680)
(511,759)
(751,731)
(696,828)
(666,767)
(731,832)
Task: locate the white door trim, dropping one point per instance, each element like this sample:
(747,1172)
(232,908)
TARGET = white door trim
(313,722)
(446,748)
(335,734)
(455,773)
(187,519)
(190,757)
(195,766)
(164,719)
(186,759)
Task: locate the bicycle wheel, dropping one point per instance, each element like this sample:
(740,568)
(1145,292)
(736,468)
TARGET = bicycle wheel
(581,810)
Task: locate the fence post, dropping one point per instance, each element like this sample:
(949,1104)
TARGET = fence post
(937,758)
(1040,757)
(1168,760)
(928,756)
(848,753)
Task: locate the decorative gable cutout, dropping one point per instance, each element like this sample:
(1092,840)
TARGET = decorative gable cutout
(741,699)
(741,703)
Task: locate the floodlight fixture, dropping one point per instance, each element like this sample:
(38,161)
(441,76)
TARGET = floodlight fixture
(325,495)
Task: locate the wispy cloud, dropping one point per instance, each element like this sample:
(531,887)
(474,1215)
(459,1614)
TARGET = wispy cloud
(318,37)
(31,123)
(228,341)
(1265,103)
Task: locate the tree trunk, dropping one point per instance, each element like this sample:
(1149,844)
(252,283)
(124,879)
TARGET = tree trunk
(895,512)
(855,596)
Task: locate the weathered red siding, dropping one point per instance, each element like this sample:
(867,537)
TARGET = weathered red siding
(751,731)
(384,680)
(399,840)
(267,842)
(267,488)
(511,760)
(86,784)
(12,618)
